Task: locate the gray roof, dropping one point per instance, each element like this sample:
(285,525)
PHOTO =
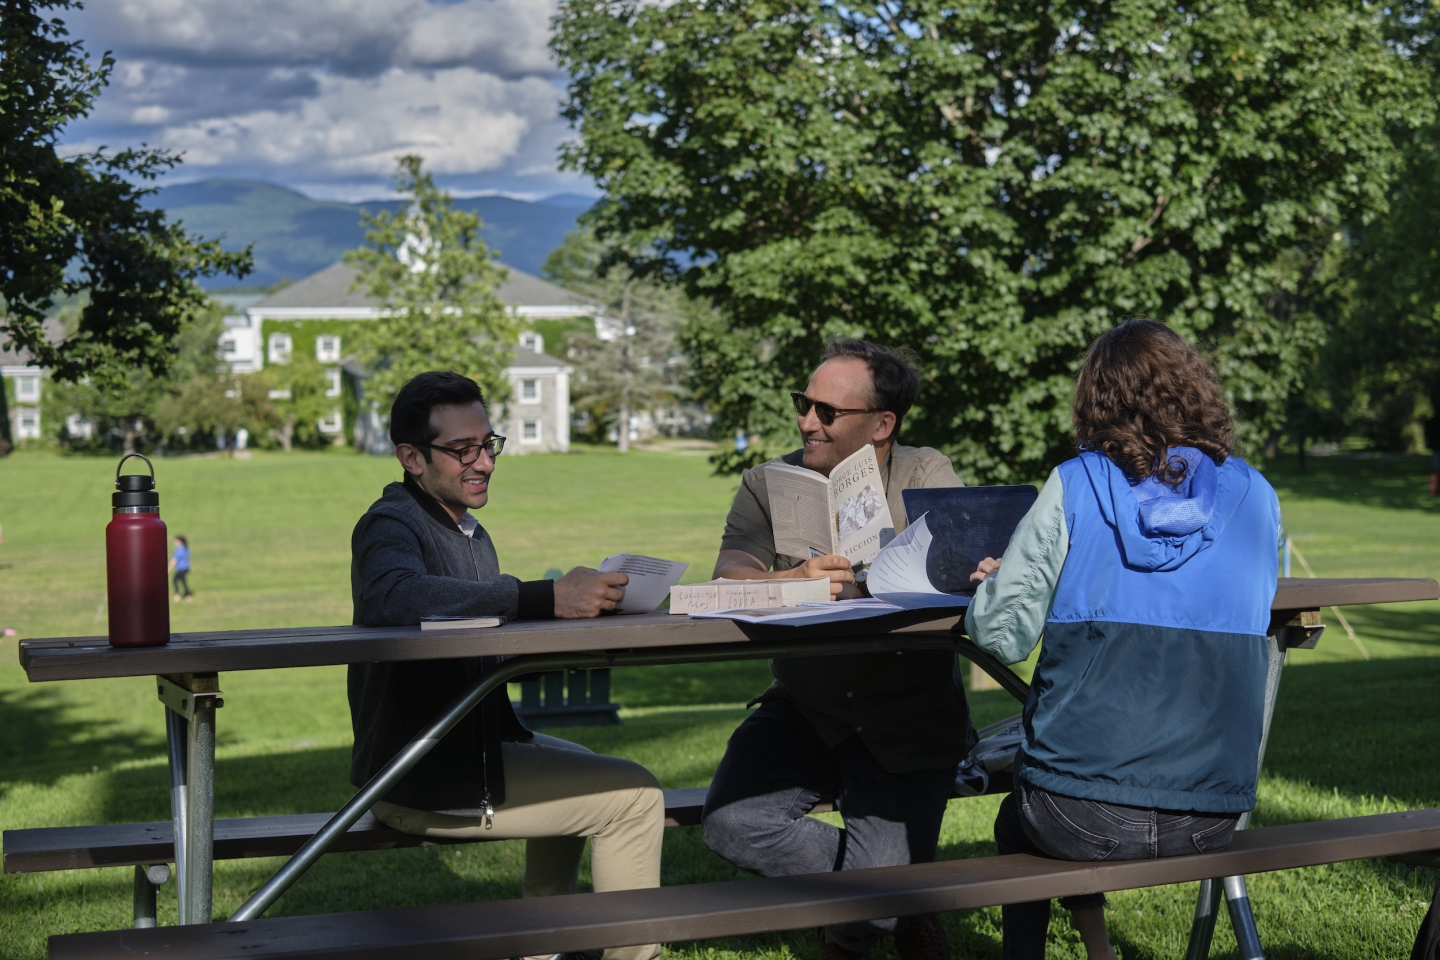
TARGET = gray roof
(12,355)
(331,288)
(525,357)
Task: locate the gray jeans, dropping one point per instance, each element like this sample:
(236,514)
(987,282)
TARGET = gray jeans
(1045,824)
(776,768)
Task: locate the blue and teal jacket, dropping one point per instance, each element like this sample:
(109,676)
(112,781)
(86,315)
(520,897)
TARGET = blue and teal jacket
(1154,604)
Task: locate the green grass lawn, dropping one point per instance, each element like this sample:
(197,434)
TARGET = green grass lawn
(270,537)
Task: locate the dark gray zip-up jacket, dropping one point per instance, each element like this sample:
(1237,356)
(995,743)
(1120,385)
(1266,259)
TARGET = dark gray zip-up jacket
(409,559)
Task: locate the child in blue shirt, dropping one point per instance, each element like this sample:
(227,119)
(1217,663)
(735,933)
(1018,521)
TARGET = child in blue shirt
(180,566)
(1148,564)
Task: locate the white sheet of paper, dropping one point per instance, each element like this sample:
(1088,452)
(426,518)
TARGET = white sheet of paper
(900,567)
(650,580)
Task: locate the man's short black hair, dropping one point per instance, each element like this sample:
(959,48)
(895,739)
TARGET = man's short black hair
(895,383)
(410,413)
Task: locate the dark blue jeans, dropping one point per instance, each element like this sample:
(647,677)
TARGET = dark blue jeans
(776,768)
(1045,824)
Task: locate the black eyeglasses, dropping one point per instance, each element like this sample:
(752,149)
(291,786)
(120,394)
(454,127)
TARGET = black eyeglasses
(824,411)
(469,454)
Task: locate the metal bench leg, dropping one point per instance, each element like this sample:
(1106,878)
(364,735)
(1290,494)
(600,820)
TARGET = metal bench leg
(191,701)
(200,844)
(1202,930)
(1247,937)
(146,880)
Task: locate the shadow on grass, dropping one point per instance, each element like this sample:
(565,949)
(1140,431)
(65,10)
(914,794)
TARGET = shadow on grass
(44,741)
(1397,483)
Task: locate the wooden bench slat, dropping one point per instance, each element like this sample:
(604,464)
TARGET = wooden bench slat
(493,930)
(125,844)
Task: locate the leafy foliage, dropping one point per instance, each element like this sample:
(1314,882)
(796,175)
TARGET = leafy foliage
(72,224)
(302,402)
(629,360)
(992,185)
(435,277)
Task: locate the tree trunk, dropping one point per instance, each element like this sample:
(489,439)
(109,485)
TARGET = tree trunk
(624,435)
(286,432)
(1300,453)
(129,445)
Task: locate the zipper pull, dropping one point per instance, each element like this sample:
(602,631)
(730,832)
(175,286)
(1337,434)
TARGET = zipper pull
(489,812)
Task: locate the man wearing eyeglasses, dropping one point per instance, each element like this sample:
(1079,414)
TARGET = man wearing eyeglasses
(418,552)
(879,733)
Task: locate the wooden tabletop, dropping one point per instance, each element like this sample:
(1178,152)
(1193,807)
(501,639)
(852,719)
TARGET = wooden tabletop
(87,658)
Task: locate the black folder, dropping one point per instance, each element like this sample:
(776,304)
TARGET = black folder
(967,524)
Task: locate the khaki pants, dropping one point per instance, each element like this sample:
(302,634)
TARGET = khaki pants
(558,793)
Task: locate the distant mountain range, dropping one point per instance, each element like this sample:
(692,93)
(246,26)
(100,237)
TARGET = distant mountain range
(295,236)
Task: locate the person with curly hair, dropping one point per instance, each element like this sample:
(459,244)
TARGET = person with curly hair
(1148,564)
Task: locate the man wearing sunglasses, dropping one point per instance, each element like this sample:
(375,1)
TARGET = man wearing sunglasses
(880,733)
(418,552)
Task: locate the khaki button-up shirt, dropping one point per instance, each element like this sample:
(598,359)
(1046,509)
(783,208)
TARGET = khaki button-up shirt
(909,709)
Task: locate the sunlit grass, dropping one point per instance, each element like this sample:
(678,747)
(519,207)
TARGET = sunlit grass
(271,544)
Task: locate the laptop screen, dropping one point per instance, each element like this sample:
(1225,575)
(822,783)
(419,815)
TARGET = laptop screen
(968,524)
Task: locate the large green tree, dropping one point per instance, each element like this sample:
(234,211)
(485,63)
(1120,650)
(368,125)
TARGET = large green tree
(991,184)
(72,224)
(429,269)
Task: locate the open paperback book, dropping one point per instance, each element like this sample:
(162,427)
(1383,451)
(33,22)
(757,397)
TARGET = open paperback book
(812,515)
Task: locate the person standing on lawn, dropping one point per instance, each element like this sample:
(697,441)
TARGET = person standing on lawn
(880,732)
(418,552)
(1148,563)
(180,567)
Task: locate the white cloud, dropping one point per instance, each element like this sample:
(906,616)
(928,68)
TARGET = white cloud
(508,37)
(460,120)
(331,91)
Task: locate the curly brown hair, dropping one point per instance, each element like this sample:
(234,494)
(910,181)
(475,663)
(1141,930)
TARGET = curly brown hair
(1144,389)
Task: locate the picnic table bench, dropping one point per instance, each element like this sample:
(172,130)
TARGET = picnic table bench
(189,685)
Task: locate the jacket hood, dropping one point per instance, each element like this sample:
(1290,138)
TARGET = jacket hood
(1160,527)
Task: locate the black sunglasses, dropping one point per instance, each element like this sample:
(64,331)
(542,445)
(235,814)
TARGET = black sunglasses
(824,411)
(469,454)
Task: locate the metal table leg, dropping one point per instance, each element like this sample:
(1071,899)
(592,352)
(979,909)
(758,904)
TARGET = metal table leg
(191,701)
(1202,930)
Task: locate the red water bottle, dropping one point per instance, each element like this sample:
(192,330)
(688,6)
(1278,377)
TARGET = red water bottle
(135,552)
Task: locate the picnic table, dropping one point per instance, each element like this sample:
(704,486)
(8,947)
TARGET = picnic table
(188,669)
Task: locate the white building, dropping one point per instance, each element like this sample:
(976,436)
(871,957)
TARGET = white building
(315,312)
(25,384)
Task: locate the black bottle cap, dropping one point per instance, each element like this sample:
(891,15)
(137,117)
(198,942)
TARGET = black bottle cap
(136,489)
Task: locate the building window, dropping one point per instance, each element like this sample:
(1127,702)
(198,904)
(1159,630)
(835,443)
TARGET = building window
(332,424)
(531,340)
(280,346)
(227,346)
(79,428)
(280,394)
(530,431)
(332,382)
(27,424)
(529,391)
(327,349)
(27,388)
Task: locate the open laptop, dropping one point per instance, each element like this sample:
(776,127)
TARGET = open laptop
(968,524)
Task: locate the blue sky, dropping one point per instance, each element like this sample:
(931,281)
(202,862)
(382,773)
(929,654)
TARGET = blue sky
(322,95)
